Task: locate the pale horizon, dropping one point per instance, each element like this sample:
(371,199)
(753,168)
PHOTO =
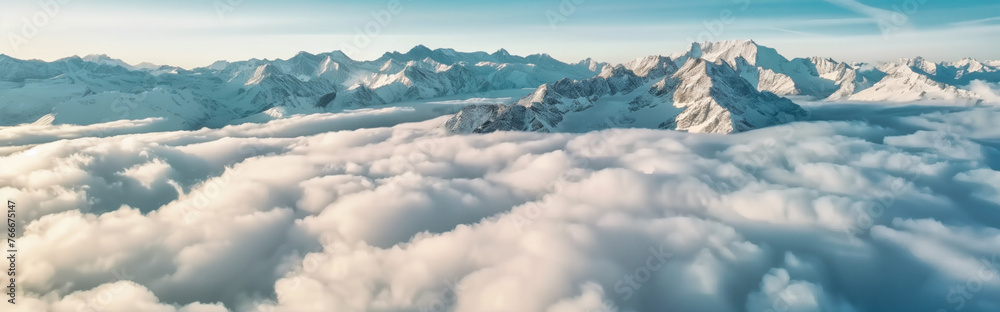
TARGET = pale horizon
(845,30)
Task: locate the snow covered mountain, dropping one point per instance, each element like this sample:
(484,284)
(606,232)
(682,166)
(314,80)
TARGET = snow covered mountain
(767,70)
(103,59)
(99,88)
(719,87)
(914,80)
(701,96)
(574,96)
(823,78)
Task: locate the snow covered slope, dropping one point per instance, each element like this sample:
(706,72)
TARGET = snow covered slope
(701,96)
(913,80)
(574,97)
(768,70)
(823,78)
(958,73)
(98,88)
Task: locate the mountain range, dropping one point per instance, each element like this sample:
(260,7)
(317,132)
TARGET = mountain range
(720,87)
(98,88)
(715,87)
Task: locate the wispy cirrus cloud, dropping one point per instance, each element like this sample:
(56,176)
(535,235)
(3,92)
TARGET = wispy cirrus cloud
(875,14)
(977,22)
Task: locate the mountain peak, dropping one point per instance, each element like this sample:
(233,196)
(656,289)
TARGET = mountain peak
(731,102)
(731,50)
(728,45)
(337,55)
(303,54)
(705,96)
(96,57)
(419,50)
(104,59)
(968,61)
(501,52)
(737,42)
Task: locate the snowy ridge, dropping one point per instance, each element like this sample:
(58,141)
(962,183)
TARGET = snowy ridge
(824,78)
(721,87)
(912,80)
(95,88)
(701,96)
(98,88)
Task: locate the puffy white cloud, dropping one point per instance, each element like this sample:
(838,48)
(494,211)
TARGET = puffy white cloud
(121,296)
(891,210)
(989,92)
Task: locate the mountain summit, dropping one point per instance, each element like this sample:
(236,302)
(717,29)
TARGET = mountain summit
(718,87)
(700,96)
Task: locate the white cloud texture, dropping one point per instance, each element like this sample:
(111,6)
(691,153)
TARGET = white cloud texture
(989,92)
(894,210)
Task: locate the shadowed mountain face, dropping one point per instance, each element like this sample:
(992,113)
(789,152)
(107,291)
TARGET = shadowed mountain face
(700,96)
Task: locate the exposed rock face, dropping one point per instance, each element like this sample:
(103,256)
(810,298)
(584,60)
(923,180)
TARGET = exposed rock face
(701,96)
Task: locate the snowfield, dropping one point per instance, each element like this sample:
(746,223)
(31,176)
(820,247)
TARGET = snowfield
(860,207)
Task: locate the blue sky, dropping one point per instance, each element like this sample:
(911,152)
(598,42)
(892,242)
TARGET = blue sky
(193,33)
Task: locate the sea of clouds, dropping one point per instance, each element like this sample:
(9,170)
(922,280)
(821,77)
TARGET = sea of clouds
(865,207)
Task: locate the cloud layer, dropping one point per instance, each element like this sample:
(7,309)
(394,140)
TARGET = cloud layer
(890,209)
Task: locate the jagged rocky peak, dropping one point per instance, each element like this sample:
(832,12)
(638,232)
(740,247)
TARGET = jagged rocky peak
(921,65)
(338,55)
(263,72)
(717,100)
(304,56)
(971,63)
(653,65)
(104,59)
(729,51)
(420,50)
(219,65)
(97,58)
(701,96)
